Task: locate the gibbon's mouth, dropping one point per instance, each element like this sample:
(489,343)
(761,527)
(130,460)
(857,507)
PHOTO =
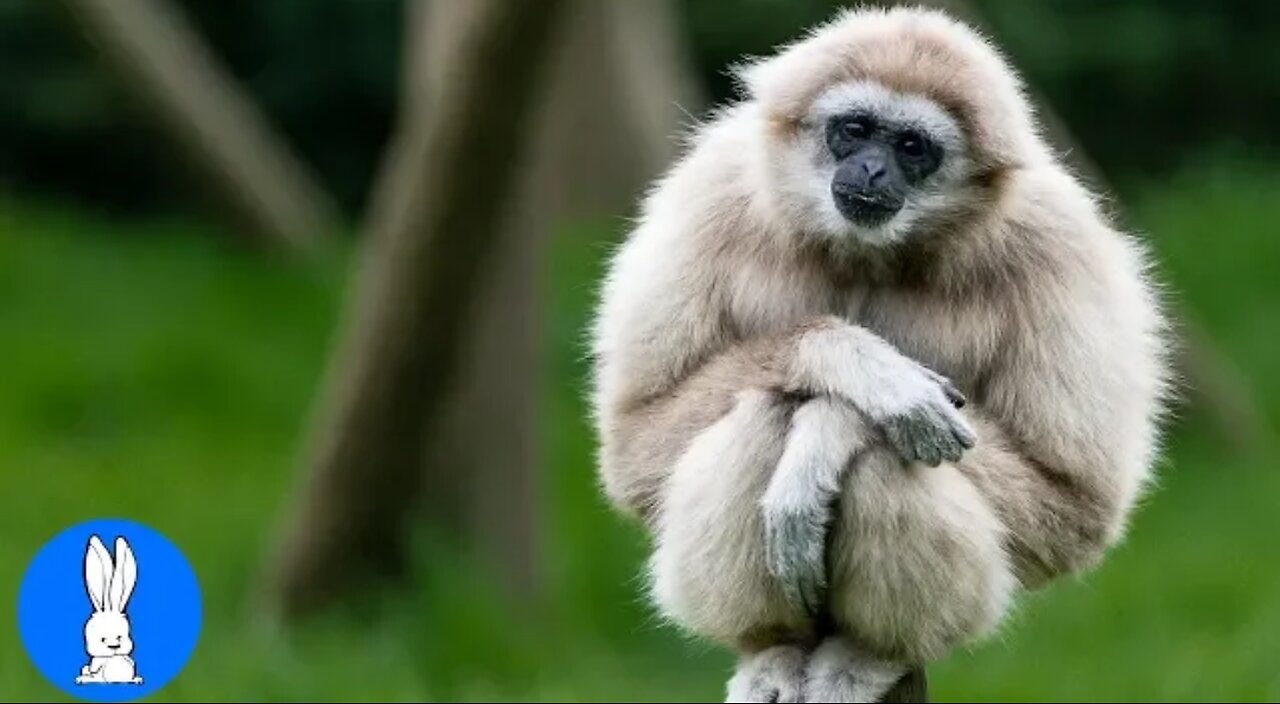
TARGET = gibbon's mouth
(114,647)
(866,209)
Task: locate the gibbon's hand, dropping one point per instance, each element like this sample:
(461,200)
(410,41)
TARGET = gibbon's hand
(825,434)
(915,407)
(795,551)
(922,423)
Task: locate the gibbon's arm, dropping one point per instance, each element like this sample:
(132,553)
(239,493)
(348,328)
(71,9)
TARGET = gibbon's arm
(670,355)
(1066,426)
(735,560)
(644,435)
(1067,429)
(670,360)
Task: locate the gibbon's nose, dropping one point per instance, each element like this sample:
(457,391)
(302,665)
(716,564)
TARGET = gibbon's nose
(874,167)
(865,188)
(870,169)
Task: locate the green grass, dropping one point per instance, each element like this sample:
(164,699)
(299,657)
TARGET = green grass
(152,372)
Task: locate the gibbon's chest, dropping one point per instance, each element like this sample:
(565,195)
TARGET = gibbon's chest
(956,338)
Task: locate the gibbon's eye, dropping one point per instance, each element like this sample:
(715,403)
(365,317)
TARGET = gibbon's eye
(855,128)
(104,640)
(844,132)
(911,144)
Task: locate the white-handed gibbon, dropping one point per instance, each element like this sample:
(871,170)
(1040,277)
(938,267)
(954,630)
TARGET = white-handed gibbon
(871,361)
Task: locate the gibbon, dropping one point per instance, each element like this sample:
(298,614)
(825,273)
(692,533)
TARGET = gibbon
(871,360)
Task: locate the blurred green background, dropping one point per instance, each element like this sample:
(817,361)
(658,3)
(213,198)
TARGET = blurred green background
(151,367)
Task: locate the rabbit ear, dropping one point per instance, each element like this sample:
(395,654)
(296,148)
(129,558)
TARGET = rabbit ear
(97,571)
(124,576)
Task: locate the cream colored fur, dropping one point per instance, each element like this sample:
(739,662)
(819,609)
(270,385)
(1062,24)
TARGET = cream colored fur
(753,350)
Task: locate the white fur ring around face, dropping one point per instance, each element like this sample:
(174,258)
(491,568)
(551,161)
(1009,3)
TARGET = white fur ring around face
(106,634)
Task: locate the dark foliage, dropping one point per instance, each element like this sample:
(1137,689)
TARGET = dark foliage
(1143,83)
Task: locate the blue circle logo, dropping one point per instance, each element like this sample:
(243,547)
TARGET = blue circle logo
(109,611)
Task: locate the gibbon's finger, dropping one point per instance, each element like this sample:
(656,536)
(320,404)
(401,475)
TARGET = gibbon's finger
(949,440)
(950,445)
(810,586)
(943,439)
(917,429)
(926,445)
(965,434)
(795,543)
(896,432)
(916,435)
(804,588)
(954,436)
(953,394)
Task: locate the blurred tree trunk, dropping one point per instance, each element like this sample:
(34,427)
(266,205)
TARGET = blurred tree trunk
(152,52)
(434,245)
(479,463)
(602,129)
(623,86)
(618,83)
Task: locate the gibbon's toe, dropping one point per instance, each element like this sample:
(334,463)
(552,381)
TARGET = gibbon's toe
(773,675)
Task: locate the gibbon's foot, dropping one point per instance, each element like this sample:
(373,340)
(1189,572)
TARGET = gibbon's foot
(773,675)
(839,671)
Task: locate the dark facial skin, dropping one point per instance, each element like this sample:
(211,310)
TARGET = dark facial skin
(878,166)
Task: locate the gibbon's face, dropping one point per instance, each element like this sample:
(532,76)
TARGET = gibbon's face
(870,163)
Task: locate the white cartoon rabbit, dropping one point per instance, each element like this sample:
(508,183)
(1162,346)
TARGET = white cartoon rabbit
(106,633)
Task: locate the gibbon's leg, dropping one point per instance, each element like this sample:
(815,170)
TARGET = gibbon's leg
(824,434)
(708,570)
(917,559)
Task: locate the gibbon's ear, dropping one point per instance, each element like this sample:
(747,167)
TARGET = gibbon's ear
(124,576)
(97,573)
